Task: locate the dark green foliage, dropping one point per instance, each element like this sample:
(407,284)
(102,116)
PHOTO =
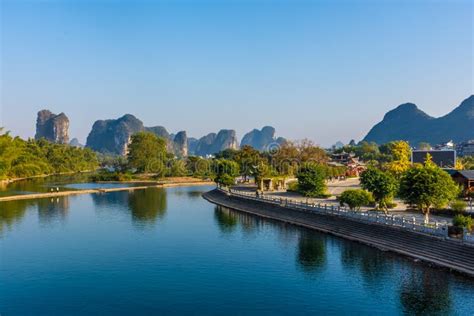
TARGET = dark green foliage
(458,206)
(147,153)
(311,180)
(200,167)
(381,184)
(104,175)
(426,186)
(176,168)
(226,171)
(463,221)
(355,199)
(20,158)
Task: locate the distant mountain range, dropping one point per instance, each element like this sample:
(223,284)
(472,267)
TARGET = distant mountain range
(113,137)
(407,122)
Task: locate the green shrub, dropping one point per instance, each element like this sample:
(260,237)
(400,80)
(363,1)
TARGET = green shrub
(293,186)
(463,221)
(312,181)
(458,206)
(391,205)
(355,198)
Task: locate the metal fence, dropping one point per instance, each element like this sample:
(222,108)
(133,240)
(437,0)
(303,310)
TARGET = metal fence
(374,217)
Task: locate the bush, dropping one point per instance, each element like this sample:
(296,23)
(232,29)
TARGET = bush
(292,186)
(391,205)
(463,221)
(355,198)
(312,181)
(458,206)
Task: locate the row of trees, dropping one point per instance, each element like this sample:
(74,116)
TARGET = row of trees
(147,154)
(25,158)
(421,186)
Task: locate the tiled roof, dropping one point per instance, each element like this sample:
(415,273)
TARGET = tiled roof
(469,174)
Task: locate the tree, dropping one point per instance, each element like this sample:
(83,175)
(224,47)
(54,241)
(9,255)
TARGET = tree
(426,186)
(400,153)
(199,167)
(26,158)
(355,199)
(381,184)
(249,160)
(147,153)
(424,146)
(311,180)
(367,151)
(226,171)
(291,155)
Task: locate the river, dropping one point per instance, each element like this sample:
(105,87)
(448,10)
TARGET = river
(168,251)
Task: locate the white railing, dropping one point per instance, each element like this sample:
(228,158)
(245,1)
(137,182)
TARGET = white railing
(399,221)
(468,238)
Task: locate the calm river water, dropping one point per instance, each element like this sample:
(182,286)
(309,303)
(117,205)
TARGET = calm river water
(169,251)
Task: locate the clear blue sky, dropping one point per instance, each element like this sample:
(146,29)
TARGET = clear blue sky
(323,70)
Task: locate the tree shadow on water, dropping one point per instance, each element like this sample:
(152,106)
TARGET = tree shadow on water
(311,253)
(147,206)
(226,219)
(425,291)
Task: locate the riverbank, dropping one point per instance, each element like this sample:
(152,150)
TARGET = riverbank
(441,252)
(12,180)
(102,190)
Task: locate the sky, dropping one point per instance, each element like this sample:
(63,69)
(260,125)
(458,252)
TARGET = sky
(322,70)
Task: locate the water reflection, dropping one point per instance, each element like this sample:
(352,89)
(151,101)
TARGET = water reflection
(226,219)
(425,292)
(371,263)
(147,205)
(192,194)
(50,210)
(311,253)
(41,184)
(12,212)
(111,200)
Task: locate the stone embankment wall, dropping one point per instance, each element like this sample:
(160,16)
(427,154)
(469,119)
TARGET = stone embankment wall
(435,250)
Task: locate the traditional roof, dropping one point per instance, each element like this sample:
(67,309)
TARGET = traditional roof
(468,174)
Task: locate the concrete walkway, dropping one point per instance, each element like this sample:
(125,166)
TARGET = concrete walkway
(335,188)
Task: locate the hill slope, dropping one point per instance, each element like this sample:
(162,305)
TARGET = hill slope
(407,122)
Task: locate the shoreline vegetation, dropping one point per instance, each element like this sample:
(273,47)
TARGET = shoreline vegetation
(385,171)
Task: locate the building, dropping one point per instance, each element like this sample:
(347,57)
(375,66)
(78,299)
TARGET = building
(466,179)
(442,158)
(354,167)
(272,184)
(445,146)
(465,149)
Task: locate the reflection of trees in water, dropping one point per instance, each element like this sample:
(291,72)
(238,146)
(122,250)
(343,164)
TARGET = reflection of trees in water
(311,255)
(192,194)
(425,291)
(13,211)
(147,205)
(43,184)
(111,199)
(370,262)
(53,209)
(226,219)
